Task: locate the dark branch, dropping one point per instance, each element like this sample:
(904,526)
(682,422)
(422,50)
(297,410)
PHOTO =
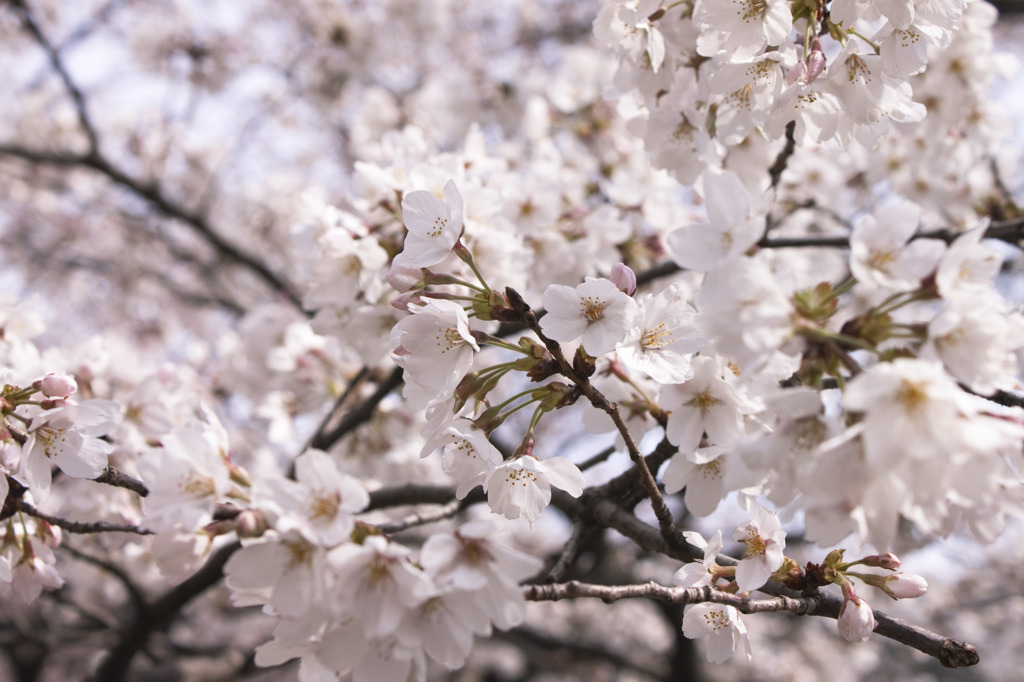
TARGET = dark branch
(79,527)
(118,479)
(360,414)
(159,615)
(58,65)
(154,196)
(779,167)
(949,652)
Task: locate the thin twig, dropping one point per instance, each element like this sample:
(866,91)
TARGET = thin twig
(353,383)
(80,527)
(119,479)
(570,552)
(598,400)
(155,197)
(360,414)
(421,518)
(135,595)
(58,65)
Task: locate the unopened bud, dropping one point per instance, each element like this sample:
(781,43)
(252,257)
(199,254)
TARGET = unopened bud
(905,586)
(405,300)
(856,620)
(526,447)
(403,278)
(56,385)
(250,524)
(624,279)
(888,560)
(815,61)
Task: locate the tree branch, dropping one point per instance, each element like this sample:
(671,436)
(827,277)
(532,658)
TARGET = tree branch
(160,614)
(154,196)
(598,400)
(779,167)
(58,65)
(79,527)
(949,652)
(362,413)
(118,479)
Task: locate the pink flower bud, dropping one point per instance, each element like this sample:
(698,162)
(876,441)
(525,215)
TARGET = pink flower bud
(57,385)
(904,586)
(796,73)
(856,620)
(404,278)
(624,279)
(250,524)
(888,560)
(402,302)
(815,61)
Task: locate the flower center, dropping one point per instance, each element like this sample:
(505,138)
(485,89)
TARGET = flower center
(704,402)
(717,619)
(656,338)
(325,505)
(592,308)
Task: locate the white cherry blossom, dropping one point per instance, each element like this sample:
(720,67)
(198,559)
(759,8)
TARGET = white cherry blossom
(882,255)
(742,27)
(764,540)
(595,310)
(434,226)
(722,626)
(705,403)
(522,486)
(663,337)
(435,347)
(68,436)
(732,226)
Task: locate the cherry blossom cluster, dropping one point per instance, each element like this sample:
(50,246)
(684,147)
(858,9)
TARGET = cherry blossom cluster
(715,389)
(711,74)
(765,270)
(893,333)
(763,558)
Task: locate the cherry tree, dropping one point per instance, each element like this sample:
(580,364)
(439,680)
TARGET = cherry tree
(535,340)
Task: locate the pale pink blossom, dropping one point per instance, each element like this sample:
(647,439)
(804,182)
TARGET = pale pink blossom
(595,310)
(434,226)
(522,486)
(435,347)
(722,626)
(764,542)
(68,436)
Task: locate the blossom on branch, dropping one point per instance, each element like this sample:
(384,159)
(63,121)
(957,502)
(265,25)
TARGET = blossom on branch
(435,348)
(595,310)
(70,437)
(522,486)
(722,626)
(434,226)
